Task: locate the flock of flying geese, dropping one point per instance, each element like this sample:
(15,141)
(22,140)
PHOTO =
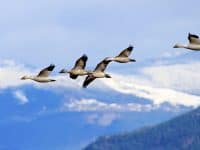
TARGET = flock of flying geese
(98,72)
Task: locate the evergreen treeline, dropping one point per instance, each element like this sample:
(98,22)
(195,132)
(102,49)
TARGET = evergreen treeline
(181,133)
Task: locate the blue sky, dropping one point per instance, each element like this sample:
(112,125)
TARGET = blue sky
(42,32)
(160,85)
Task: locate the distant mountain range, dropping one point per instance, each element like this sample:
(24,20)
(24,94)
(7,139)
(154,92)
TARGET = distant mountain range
(51,128)
(65,116)
(183,133)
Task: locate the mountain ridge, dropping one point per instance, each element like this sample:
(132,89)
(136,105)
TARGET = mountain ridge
(182,132)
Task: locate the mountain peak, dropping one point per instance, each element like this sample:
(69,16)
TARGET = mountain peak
(182,132)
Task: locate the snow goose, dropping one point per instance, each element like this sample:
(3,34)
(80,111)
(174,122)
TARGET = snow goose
(42,76)
(123,57)
(97,73)
(78,69)
(194,43)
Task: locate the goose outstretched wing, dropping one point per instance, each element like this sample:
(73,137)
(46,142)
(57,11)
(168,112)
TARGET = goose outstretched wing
(193,39)
(88,80)
(46,71)
(102,65)
(81,62)
(126,52)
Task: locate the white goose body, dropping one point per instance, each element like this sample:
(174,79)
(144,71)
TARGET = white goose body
(194,43)
(78,69)
(42,76)
(123,57)
(42,79)
(38,79)
(80,72)
(193,47)
(97,73)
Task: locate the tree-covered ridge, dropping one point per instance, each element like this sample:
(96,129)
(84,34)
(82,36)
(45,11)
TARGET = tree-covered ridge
(182,132)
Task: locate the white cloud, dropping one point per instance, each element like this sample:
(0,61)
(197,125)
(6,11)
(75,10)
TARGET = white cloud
(29,31)
(172,83)
(103,114)
(85,105)
(107,119)
(160,83)
(104,119)
(10,74)
(158,95)
(21,97)
(176,76)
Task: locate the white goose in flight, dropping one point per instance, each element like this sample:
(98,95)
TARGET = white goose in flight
(78,69)
(194,43)
(42,76)
(123,57)
(97,73)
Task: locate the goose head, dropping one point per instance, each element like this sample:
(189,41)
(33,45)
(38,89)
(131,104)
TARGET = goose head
(179,46)
(64,71)
(26,77)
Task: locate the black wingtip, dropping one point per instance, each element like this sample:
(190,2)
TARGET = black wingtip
(132,60)
(73,76)
(84,57)
(189,34)
(192,35)
(51,67)
(130,47)
(84,86)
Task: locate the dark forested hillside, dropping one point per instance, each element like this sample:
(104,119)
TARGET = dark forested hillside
(182,132)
